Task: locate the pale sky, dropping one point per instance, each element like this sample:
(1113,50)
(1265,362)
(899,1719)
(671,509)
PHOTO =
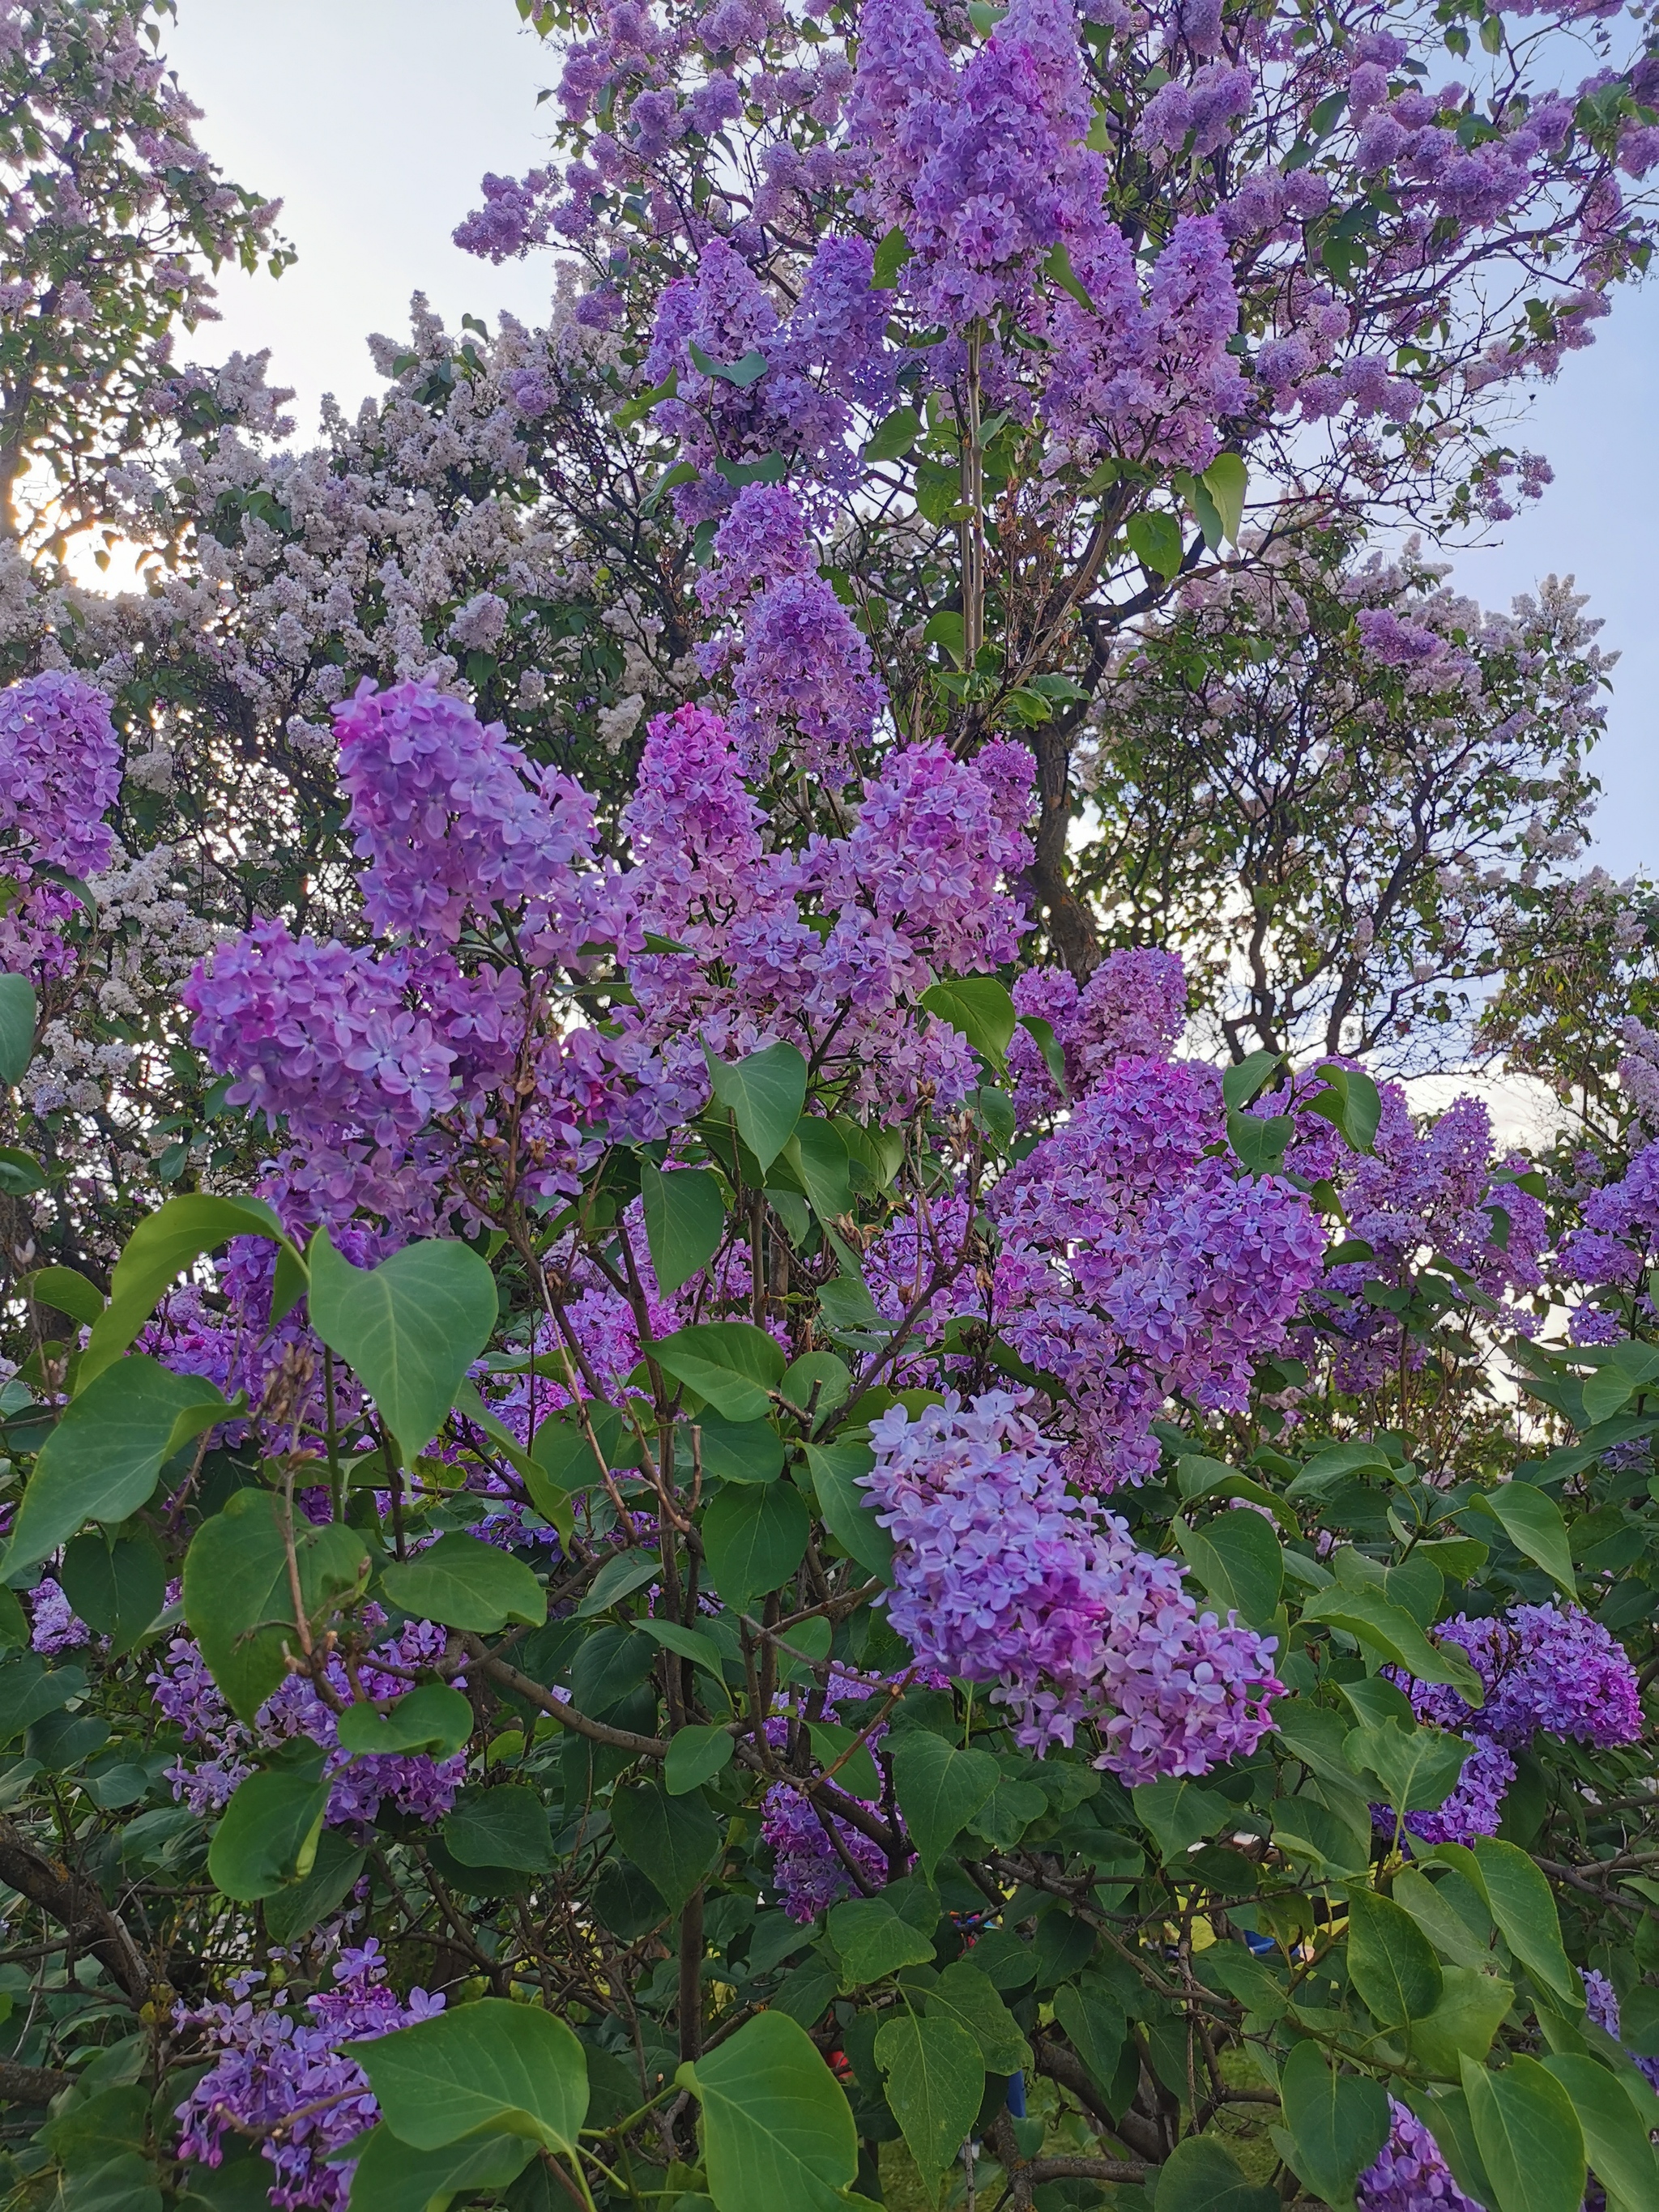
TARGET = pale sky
(374,119)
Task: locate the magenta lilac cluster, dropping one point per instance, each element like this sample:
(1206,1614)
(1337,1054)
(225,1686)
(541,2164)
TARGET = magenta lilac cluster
(1543,1667)
(1003,1576)
(273,2069)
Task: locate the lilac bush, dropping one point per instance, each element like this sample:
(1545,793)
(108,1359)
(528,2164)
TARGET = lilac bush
(730,1343)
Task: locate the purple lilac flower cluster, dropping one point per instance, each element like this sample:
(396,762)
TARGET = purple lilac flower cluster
(1542,1667)
(806,680)
(1602,2004)
(1437,1193)
(453,821)
(1408,2174)
(1003,1576)
(828,356)
(271,2065)
(322,1036)
(915,890)
(60,772)
(383,1062)
(186,1693)
(226,1334)
(379,1059)
(1138,1262)
(987,174)
(811,1873)
(989,156)
(811,1849)
(1620,1231)
(54,1624)
(1134,1003)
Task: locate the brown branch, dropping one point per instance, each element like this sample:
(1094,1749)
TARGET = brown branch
(30,2085)
(1084,2169)
(523,1686)
(76,1905)
(1063,2064)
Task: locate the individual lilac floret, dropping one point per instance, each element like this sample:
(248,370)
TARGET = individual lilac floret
(1002,1574)
(1409,2174)
(810,1872)
(271,2066)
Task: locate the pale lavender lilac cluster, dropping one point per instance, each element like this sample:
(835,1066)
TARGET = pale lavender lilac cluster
(1408,2174)
(60,773)
(1542,1668)
(274,2068)
(1002,1574)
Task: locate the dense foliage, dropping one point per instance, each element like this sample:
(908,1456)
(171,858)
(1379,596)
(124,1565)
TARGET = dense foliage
(751,1459)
